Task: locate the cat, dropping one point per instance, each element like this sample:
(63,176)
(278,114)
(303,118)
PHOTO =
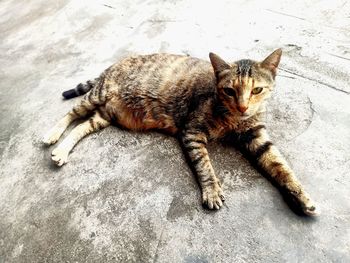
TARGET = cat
(196,100)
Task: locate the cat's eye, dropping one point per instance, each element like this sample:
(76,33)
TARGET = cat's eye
(229,91)
(257,90)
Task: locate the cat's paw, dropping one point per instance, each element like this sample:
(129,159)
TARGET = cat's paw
(310,209)
(213,197)
(52,137)
(304,204)
(59,156)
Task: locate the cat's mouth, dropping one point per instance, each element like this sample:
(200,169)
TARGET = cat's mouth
(244,116)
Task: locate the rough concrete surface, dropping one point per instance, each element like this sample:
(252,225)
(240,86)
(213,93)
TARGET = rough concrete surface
(130,197)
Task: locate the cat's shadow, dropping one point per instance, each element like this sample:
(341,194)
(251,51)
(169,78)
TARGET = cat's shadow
(287,197)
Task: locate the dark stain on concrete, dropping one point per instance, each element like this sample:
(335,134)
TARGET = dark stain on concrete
(137,248)
(94,27)
(43,238)
(179,209)
(195,259)
(286,121)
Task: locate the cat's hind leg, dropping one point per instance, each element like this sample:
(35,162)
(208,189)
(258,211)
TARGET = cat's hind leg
(82,109)
(95,123)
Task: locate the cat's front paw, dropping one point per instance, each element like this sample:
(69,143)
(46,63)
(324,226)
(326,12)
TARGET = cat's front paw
(59,156)
(303,202)
(309,208)
(213,197)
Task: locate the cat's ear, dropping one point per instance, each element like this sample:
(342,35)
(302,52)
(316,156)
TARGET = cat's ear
(272,61)
(218,63)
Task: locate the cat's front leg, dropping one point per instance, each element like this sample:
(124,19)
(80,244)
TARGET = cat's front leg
(255,142)
(194,144)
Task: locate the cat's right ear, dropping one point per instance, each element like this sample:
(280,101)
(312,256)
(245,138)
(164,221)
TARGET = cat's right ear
(218,63)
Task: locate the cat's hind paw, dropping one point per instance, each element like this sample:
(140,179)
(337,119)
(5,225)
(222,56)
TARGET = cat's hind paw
(213,197)
(52,136)
(59,156)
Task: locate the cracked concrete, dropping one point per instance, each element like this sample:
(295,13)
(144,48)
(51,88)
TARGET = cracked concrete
(130,197)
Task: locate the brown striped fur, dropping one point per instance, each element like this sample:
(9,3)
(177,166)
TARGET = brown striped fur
(197,100)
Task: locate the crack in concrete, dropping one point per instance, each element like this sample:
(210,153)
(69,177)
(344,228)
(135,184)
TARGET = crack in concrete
(109,6)
(309,120)
(158,244)
(314,80)
(163,20)
(285,76)
(311,105)
(304,19)
(284,14)
(337,56)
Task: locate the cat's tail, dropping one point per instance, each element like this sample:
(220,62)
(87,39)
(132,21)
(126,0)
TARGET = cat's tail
(80,89)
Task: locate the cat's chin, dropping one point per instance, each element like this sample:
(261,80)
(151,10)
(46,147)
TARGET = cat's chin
(244,116)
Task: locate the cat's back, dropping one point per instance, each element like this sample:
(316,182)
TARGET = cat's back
(160,71)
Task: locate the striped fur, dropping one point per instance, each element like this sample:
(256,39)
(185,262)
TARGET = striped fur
(264,153)
(197,100)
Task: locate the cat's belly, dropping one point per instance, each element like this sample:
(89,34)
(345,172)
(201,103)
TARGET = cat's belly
(139,118)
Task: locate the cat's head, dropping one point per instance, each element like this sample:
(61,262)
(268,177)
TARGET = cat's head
(245,84)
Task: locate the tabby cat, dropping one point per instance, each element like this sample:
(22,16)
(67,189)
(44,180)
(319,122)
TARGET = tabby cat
(193,99)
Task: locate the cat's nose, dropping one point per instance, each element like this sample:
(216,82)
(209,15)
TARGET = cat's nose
(242,109)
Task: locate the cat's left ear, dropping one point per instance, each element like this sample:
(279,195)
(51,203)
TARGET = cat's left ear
(218,63)
(272,61)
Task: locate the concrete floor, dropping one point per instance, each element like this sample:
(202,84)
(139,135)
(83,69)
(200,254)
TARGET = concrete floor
(130,197)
